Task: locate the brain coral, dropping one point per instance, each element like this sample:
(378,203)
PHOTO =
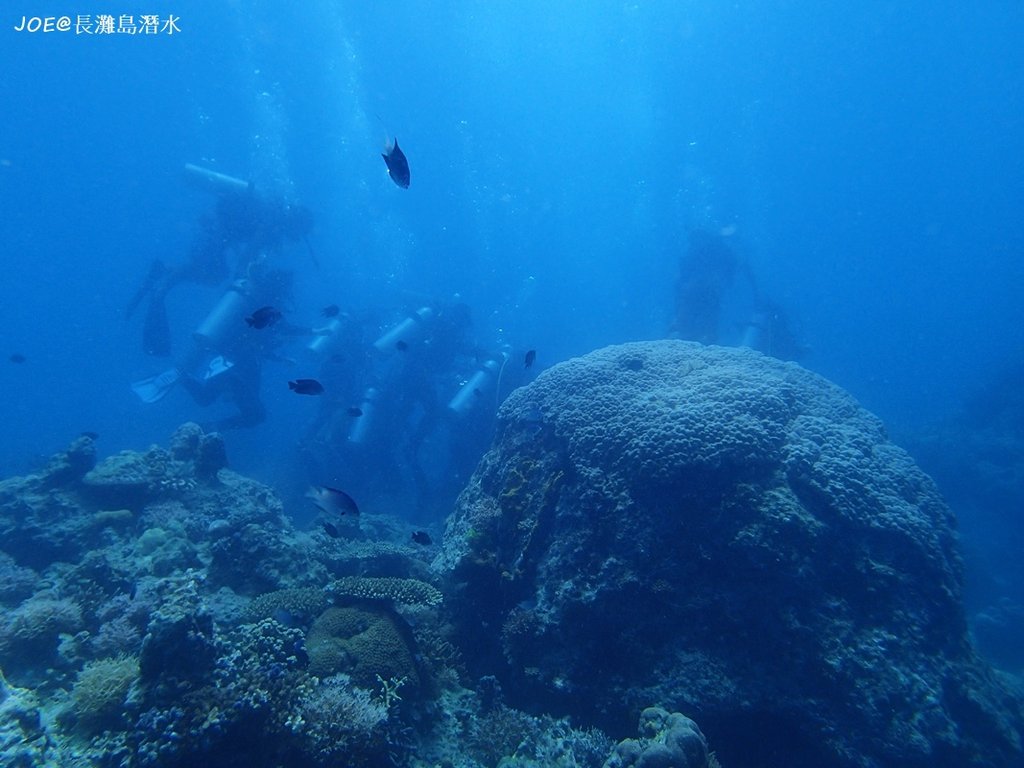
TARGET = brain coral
(364,643)
(730,536)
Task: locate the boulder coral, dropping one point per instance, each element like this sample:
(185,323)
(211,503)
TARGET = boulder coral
(735,538)
(368,643)
(666,740)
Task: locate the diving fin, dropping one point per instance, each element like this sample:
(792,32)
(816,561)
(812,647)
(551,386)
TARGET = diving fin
(156,387)
(216,367)
(157,272)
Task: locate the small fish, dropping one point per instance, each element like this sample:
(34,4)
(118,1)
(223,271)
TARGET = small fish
(422,537)
(354,412)
(530,357)
(263,317)
(330,529)
(90,434)
(398,166)
(332,501)
(306,387)
(331,311)
(133,590)
(18,358)
(401,346)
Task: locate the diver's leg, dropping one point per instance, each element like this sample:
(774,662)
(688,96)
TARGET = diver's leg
(245,392)
(157,271)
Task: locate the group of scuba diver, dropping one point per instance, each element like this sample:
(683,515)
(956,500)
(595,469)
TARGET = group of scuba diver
(407,387)
(411,390)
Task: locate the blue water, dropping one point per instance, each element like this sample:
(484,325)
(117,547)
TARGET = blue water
(866,160)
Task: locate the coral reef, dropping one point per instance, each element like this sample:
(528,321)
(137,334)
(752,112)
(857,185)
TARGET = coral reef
(31,632)
(99,693)
(337,719)
(731,536)
(166,613)
(24,742)
(665,739)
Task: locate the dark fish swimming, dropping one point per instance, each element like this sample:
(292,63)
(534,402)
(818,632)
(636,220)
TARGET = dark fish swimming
(263,317)
(401,346)
(306,387)
(530,357)
(332,501)
(355,412)
(331,311)
(330,529)
(398,166)
(17,357)
(422,537)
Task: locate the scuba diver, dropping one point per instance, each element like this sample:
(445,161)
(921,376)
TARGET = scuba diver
(228,349)
(707,291)
(417,416)
(243,227)
(226,358)
(706,272)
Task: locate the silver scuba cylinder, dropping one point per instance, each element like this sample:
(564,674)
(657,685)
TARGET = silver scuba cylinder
(212,181)
(324,342)
(475,387)
(361,425)
(406,332)
(753,333)
(225,318)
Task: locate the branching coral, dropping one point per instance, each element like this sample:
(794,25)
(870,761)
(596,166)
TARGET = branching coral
(101,688)
(337,719)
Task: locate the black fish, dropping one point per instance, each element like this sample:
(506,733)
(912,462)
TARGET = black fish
(330,529)
(422,537)
(398,166)
(530,357)
(17,357)
(331,311)
(401,346)
(263,317)
(306,387)
(355,412)
(332,501)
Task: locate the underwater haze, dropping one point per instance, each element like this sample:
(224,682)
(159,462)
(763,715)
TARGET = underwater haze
(861,165)
(868,160)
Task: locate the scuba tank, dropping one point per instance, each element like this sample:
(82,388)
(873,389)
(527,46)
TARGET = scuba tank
(213,181)
(326,341)
(361,425)
(226,317)
(754,332)
(477,384)
(406,331)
